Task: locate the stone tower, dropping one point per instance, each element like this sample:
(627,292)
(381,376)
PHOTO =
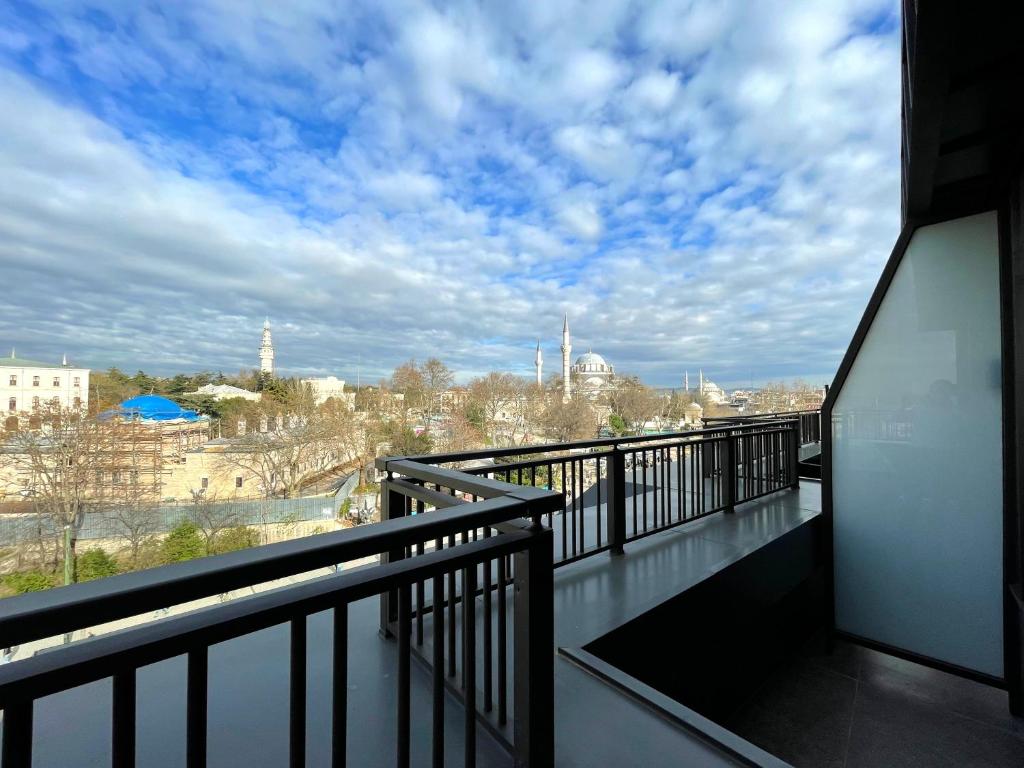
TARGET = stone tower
(538,361)
(566,361)
(266,350)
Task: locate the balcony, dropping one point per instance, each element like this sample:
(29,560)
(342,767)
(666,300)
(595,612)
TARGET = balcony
(560,547)
(653,600)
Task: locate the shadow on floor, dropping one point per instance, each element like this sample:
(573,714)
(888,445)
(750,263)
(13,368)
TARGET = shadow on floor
(858,708)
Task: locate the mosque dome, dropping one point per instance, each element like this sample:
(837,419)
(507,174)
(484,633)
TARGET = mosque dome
(591,362)
(155,408)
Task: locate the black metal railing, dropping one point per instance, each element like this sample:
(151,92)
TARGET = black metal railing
(809,422)
(617,490)
(415,551)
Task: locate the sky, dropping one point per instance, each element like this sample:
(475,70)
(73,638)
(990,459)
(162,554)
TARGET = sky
(698,184)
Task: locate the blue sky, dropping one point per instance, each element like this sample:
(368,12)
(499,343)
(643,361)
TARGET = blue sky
(698,184)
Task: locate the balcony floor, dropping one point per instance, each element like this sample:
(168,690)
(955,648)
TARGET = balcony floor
(596,725)
(859,708)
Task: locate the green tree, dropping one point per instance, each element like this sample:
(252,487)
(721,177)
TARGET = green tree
(233,539)
(96,564)
(185,542)
(28,581)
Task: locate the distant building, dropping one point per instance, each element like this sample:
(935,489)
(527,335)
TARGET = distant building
(267,350)
(225,392)
(591,375)
(28,385)
(711,392)
(326,387)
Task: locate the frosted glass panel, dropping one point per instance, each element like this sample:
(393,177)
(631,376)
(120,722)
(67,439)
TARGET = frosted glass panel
(917,457)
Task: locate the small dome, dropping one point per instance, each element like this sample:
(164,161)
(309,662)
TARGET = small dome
(591,358)
(155,408)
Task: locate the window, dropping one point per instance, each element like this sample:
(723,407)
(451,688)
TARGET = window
(56,381)
(14,380)
(78,381)
(35,381)
(205,483)
(12,404)
(99,477)
(35,402)
(238,481)
(78,402)
(115,477)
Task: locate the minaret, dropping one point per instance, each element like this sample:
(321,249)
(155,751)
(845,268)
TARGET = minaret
(686,380)
(538,361)
(266,350)
(701,374)
(566,354)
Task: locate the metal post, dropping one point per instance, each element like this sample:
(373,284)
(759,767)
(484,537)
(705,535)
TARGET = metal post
(392,505)
(729,472)
(794,455)
(615,509)
(534,653)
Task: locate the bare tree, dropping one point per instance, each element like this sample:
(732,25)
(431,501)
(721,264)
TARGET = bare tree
(634,402)
(501,400)
(437,378)
(565,421)
(58,463)
(287,449)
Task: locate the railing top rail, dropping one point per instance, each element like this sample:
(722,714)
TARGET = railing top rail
(102,656)
(45,614)
(491,453)
(759,416)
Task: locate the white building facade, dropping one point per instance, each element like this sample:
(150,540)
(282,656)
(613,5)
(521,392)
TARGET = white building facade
(27,385)
(326,387)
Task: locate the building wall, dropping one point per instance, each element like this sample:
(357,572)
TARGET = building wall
(917,457)
(69,385)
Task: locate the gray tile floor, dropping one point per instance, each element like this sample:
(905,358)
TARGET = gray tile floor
(857,708)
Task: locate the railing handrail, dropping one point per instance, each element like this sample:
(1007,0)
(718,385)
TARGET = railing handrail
(39,615)
(490,453)
(759,416)
(103,656)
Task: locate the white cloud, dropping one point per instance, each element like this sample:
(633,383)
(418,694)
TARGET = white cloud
(582,220)
(403,181)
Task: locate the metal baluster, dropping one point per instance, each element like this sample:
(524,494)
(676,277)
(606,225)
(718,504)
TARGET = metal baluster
(297,697)
(644,470)
(636,529)
(502,642)
(195,725)
(572,466)
(437,670)
(451,616)
(123,720)
(419,588)
(402,698)
(469,661)
(339,687)
(17,747)
(565,537)
(487,619)
(583,511)
(597,508)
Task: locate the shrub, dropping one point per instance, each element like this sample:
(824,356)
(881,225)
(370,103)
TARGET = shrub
(233,539)
(184,542)
(28,581)
(96,564)
(346,508)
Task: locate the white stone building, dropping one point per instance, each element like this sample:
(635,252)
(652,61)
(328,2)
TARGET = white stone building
(26,385)
(326,387)
(225,392)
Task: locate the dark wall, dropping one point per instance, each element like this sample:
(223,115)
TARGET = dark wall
(712,646)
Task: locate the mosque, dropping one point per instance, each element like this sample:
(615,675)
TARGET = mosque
(591,375)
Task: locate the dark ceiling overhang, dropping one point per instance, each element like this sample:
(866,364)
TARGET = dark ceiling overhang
(963,104)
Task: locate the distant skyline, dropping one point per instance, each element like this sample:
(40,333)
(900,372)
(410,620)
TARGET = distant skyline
(698,184)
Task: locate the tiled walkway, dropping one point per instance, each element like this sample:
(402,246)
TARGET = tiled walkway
(857,708)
